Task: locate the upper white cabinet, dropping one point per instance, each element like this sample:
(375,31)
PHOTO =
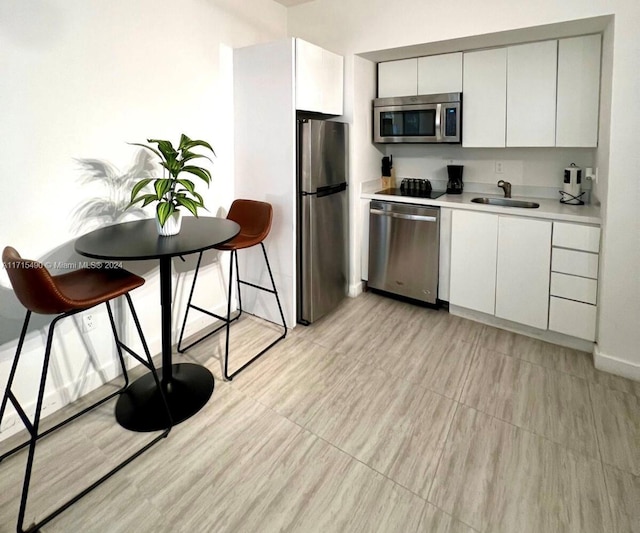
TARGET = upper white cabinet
(422,75)
(440,74)
(547,94)
(485,98)
(524,254)
(531,94)
(319,79)
(398,78)
(578,91)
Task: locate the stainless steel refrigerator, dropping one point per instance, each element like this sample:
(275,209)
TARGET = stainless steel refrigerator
(323,217)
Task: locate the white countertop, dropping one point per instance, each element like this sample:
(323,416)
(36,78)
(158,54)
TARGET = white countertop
(550,209)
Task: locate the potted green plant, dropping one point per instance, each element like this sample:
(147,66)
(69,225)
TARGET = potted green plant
(171,192)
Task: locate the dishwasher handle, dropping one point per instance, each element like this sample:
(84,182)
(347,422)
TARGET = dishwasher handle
(423,218)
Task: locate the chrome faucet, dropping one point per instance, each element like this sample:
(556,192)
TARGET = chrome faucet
(506,187)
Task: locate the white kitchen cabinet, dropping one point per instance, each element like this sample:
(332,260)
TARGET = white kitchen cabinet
(474,244)
(423,75)
(522,279)
(574,288)
(270,82)
(531,94)
(578,91)
(575,262)
(500,266)
(333,83)
(398,78)
(319,79)
(485,98)
(572,318)
(576,236)
(440,74)
(574,280)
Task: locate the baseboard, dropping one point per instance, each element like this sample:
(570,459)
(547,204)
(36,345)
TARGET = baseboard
(613,365)
(543,335)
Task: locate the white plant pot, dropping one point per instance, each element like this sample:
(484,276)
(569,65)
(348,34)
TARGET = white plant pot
(171,225)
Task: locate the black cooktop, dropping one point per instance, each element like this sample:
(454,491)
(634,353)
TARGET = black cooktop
(417,193)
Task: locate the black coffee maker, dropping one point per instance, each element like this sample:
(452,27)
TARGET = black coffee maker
(455,185)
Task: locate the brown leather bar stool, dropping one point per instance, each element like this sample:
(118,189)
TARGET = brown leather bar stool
(254,219)
(66,295)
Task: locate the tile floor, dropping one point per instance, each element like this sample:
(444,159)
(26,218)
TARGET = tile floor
(383,417)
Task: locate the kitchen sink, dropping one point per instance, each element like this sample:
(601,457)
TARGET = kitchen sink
(506,202)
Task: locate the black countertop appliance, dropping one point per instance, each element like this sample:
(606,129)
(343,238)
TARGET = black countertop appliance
(455,185)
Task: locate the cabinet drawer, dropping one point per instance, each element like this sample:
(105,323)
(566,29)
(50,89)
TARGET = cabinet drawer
(576,236)
(573,262)
(572,318)
(574,288)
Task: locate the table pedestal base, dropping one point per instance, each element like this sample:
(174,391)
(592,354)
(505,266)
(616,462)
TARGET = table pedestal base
(140,407)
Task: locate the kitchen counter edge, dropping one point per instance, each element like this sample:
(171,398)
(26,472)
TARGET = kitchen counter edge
(549,209)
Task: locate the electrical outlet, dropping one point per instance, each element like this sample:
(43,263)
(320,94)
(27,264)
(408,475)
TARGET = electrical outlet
(499,167)
(88,323)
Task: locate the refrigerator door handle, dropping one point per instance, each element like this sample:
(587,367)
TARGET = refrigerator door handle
(331,189)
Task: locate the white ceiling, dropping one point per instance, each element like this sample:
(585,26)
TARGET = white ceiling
(289,3)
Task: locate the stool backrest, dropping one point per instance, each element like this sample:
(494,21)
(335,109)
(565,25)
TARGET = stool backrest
(253,217)
(33,284)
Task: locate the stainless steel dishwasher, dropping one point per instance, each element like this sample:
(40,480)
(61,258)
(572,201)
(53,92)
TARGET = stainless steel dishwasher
(404,243)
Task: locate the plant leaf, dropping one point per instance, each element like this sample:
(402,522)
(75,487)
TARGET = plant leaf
(186,156)
(148,199)
(200,199)
(183,141)
(167,149)
(164,211)
(188,184)
(148,148)
(139,186)
(162,186)
(191,144)
(189,204)
(202,173)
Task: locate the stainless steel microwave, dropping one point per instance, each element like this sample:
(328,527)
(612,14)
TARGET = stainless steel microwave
(434,118)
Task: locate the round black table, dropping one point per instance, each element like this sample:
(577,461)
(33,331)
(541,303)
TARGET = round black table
(187,386)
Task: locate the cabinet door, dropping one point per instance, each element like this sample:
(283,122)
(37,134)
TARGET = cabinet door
(333,81)
(531,94)
(398,78)
(474,242)
(524,257)
(319,79)
(485,98)
(309,76)
(578,91)
(440,74)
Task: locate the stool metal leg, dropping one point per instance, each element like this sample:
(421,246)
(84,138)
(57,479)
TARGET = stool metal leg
(12,374)
(33,427)
(223,319)
(284,324)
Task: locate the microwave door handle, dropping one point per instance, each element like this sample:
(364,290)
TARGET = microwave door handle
(439,122)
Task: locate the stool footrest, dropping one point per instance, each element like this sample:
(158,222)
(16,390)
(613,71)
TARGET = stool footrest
(256,286)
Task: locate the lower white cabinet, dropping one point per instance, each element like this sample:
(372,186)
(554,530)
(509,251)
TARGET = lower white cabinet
(500,266)
(572,318)
(474,245)
(574,280)
(522,277)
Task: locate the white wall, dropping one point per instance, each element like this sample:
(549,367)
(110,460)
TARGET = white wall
(361,26)
(78,81)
